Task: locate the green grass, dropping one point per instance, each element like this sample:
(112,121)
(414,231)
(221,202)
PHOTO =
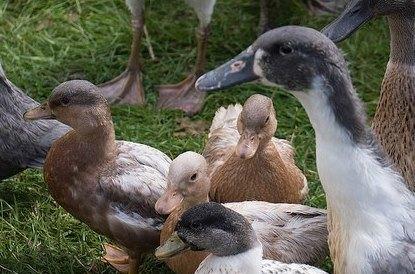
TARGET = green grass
(45,42)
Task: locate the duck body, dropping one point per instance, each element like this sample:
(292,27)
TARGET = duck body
(371,210)
(229,237)
(22,144)
(289,233)
(112,186)
(270,174)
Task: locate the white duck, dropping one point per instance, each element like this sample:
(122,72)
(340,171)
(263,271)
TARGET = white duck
(371,210)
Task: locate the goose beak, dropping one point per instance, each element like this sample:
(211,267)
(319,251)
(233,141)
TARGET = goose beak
(356,14)
(173,246)
(169,201)
(247,145)
(41,112)
(237,71)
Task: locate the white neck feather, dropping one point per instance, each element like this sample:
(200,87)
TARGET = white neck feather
(248,262)
(369,200)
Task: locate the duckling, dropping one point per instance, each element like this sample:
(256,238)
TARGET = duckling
(127,88)
(22,145)
(231,240)
(110,185)
(371,210)
(241,147)
(394,120)
(288,232)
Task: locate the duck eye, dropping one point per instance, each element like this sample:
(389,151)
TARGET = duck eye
(193,177)
(284,50)
(64,101)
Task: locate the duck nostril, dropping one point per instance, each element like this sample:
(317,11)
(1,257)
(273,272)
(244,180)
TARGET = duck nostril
(237,66)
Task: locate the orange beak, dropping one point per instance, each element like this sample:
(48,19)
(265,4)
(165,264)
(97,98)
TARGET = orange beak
(169,200)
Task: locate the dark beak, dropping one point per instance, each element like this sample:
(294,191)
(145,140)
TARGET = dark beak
(41,112)
(237,71)
(356,14)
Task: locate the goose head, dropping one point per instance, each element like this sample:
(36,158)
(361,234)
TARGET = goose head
(210,227)
(256,125)
(77,103)
(187,181)
(359,12)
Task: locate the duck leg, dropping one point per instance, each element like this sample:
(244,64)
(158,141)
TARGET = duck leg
(184,95)
(127,88)
(117,258)
(323,7)
(264,19)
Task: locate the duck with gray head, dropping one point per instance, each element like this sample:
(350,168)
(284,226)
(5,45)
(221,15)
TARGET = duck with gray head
(110,185)
(371,210)
(394,120)
(22,144)
(230,239)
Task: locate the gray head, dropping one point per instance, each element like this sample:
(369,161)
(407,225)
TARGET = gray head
(359,12)
(300,60)
(78,104)
(187,180)
(256,124)
(210,227)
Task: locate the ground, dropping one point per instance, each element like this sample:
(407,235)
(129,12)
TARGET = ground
(45,42)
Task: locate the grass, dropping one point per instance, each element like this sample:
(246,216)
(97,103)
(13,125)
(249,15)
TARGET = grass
(45,42)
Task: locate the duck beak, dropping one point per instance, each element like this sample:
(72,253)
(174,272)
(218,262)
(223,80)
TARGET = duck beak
(169,200)
(247,145)
(237,71)
(356,14)
(173,246)
(41,112)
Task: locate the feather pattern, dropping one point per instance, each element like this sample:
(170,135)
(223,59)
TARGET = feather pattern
(22,144)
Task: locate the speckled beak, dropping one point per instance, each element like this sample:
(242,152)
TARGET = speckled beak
(247,145)
(169,200)
(237,71)
(173,246)
(41,112)
(356,13)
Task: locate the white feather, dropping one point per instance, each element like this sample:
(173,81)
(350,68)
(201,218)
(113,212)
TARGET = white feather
(203,9)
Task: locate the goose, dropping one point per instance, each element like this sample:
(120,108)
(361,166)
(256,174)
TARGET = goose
(394,120)
(241,146)
(22,145)
(112,186)
(289,233)
(371,211)
(231,240)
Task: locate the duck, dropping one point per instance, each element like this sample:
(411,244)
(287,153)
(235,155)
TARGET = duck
(22,145)
(112,186)
(371,211)
(229,238)
(394,119)
(289,233)
(241,146)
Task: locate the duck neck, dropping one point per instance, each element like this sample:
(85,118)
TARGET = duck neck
(402,36)
(192,201)
(357,182)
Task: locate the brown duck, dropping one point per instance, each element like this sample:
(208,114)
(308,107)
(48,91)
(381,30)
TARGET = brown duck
(246,163)
(288,232)
(110,185)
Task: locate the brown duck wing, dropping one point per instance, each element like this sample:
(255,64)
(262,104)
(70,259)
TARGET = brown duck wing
(289,233)
(223,136)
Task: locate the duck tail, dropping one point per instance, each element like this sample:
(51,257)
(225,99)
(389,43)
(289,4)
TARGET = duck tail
(226,117)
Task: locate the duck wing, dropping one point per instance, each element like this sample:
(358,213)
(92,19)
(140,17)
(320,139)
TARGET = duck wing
(22,144)
(133,185)
(275,267)
(223,136)
(289,233)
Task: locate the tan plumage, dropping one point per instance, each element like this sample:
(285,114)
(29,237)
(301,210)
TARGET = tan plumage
(288,232)
(246,162)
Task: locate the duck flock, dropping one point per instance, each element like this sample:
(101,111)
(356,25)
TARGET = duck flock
(237,207)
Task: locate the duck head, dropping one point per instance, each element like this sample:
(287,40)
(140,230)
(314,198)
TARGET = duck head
(210,227)
(77,103)
(359,12)
(187,182)
(291,57)
(256,125)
